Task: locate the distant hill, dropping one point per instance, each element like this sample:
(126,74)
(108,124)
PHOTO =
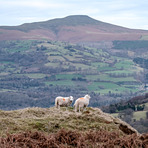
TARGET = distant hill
(75,29)
(136,103)
(133,111)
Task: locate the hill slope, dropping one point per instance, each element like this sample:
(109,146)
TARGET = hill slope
(66,129)
(51,120)
(133,111)
(77,28)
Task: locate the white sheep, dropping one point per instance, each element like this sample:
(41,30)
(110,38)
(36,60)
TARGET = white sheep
(81,103)
(63,101)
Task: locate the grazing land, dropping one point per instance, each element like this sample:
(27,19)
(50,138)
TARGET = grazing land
(39,70)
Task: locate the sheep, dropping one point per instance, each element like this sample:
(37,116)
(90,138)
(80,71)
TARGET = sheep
(82,103)
(63,101)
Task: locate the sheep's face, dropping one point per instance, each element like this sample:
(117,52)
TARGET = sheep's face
(87,96)
(71,98)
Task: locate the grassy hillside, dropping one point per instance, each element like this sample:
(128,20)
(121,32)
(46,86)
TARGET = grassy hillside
(41,70)
(51,120)
(42,127)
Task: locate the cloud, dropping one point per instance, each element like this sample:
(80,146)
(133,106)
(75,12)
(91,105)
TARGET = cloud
(128,13)
(32,3)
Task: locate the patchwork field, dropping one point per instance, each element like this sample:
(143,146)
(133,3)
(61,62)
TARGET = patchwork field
(63,68)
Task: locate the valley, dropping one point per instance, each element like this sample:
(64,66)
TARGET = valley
(40,70)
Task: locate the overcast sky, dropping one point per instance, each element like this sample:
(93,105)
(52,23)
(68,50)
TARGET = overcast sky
(126,13)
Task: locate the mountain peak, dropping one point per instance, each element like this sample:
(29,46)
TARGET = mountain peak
(54,24)
(73,20)
(80,20)
(73,28)
(77,16)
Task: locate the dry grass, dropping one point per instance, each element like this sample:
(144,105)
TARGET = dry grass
(50,127)
(71,139)
(50,120)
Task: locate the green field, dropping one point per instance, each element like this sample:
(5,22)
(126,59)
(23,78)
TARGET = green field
(60,83)
(139,115)
(34,75)
(136,115)
(61,64)
(68,76)
(20,46)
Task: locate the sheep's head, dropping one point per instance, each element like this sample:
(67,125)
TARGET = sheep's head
(87,96)
(71,98)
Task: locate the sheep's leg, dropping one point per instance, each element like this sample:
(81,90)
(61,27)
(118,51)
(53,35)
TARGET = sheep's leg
(58,106)
(79,108)
(84,109)
(75,108)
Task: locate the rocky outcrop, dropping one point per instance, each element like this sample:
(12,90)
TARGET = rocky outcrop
(123,126)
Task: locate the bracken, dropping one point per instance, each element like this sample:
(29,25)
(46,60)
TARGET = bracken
(71,139)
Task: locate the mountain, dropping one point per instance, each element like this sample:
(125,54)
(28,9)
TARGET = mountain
(50,127)
(74,29)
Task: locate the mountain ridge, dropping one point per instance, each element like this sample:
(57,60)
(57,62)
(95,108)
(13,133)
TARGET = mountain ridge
(68,20)
(74,28)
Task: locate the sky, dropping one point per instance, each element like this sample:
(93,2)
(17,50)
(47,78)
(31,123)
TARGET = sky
(127,13)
